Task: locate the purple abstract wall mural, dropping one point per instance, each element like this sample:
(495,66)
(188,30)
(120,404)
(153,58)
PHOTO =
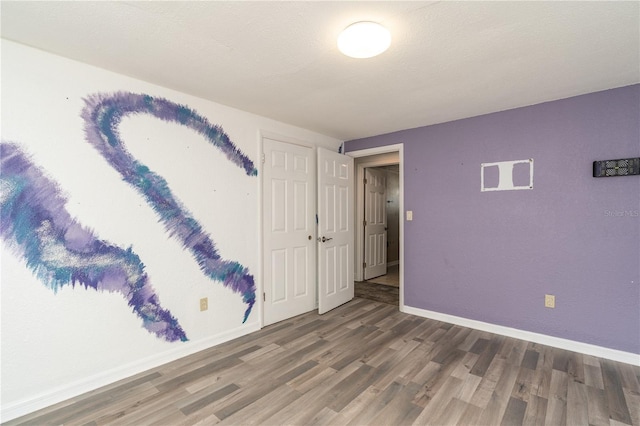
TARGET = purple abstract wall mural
(60,251)
(103,114)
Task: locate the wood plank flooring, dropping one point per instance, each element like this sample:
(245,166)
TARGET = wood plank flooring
(366,363)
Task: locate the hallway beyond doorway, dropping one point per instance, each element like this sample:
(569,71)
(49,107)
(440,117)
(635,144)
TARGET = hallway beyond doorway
(385,288)
(391,278)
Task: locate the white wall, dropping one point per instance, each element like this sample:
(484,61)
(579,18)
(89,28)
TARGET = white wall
(55,345)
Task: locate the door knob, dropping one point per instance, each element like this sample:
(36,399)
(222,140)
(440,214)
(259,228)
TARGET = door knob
(324,239)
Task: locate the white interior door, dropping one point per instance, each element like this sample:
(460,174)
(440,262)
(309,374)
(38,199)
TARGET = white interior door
(335,229)
(375,223)
(289,184)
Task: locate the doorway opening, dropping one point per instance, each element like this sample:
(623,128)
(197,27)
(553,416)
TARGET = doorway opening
(379,226)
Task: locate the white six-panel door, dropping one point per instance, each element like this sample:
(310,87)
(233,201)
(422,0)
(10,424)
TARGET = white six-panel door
(375,226)
(335,229)
(289,187)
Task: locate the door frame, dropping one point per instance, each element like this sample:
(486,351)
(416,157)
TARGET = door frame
(359,210)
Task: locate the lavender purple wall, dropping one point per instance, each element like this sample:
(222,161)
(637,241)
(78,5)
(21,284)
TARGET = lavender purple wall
(492,256)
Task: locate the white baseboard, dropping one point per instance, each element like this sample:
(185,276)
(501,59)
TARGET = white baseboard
(20,408)
(557,342)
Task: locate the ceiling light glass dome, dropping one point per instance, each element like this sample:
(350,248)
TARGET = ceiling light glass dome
(364,40)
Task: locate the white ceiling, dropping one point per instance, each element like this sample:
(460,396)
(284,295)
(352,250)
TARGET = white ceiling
(447,60)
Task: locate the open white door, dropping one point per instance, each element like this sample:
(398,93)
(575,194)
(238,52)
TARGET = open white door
(335,229)
(375,223)
(288,224)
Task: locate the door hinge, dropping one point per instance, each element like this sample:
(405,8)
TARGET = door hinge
(263,159)
(365,181)
(364,264)
(264,297)
(364,223)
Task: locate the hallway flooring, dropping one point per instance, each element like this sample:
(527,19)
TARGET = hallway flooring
(391,278)
(385,289)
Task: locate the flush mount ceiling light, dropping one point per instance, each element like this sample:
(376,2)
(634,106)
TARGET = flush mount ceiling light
(364,40)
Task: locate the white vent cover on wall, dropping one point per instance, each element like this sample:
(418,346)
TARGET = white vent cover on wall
(506,175)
